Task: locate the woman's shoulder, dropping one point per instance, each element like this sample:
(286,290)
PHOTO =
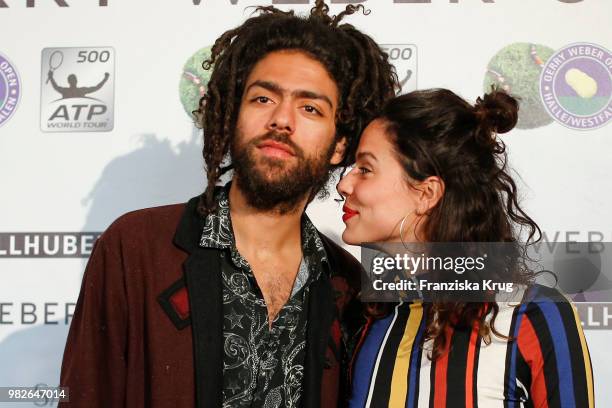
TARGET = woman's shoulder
(551,342)
(548,302)
(546,318)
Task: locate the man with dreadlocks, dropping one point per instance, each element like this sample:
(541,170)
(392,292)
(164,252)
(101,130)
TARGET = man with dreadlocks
(235,299)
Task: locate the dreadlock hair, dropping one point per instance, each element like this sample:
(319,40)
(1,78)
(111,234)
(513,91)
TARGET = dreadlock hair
(361,70)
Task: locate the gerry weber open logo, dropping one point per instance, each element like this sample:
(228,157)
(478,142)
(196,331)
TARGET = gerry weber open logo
(576,86)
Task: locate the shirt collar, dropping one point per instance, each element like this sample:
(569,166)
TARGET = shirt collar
(218,232)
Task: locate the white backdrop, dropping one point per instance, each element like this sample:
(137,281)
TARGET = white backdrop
(134,146)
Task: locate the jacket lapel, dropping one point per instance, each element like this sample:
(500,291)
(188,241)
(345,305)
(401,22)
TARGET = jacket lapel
(202,274)
(321,312)
(202,271)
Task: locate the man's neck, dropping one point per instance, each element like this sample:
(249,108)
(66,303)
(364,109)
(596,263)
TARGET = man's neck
(271,242)
(272,230)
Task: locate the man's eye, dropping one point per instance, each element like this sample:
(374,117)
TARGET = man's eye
(363,170)
(262,99)
(311,109)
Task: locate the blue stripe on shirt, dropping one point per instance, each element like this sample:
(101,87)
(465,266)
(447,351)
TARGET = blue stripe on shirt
(366,360)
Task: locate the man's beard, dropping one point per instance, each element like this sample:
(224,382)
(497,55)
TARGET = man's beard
(273,184)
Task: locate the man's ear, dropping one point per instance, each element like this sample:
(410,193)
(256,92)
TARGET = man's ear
(339,151)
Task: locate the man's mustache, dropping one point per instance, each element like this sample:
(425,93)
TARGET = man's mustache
(279,137)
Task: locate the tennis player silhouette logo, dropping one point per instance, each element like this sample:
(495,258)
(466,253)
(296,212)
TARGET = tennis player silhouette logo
(72,90)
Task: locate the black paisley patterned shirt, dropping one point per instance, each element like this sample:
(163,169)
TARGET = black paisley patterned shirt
(262,367)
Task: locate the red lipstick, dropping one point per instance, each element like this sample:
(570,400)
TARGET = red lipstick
(348,212)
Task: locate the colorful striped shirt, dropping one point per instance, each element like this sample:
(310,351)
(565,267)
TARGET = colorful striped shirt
(546,364)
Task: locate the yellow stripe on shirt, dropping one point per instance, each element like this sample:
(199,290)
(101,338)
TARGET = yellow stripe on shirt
(399,381)
(586,358)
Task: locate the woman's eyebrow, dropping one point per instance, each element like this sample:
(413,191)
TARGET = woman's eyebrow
(362,155)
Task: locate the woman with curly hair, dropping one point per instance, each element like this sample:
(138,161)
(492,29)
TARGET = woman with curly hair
(430,168)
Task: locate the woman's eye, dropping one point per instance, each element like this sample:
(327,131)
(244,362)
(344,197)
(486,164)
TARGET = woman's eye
(363,170)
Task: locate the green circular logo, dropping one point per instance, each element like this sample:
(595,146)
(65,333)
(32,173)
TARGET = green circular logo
(516,69)
(194,80)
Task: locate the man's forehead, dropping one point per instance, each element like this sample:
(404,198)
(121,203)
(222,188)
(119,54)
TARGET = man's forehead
(293,71)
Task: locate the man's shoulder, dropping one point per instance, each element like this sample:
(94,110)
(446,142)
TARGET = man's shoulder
(146,223)
(343,254)
(341,261)
(152,217)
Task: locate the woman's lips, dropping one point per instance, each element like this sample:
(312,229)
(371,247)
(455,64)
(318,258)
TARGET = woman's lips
(348,213)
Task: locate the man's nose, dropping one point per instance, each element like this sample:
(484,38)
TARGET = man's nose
(283,118)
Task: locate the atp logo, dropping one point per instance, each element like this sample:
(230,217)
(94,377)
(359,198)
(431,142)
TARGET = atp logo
(77,89)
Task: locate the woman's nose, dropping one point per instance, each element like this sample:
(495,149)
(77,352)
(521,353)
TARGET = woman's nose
(345,185)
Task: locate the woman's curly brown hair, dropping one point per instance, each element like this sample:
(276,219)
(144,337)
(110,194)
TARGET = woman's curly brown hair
(437,133)
(361,70)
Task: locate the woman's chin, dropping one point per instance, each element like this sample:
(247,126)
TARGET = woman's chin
(348,237)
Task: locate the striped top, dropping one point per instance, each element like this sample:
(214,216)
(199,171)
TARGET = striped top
(547,365)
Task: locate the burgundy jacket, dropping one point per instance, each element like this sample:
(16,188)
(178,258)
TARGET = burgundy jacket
(147,328)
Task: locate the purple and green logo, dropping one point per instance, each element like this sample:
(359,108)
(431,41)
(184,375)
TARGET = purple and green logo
(576,86)
(10,89)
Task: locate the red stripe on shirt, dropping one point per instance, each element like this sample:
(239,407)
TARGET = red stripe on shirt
(441,373)
(469,370)
(529,346)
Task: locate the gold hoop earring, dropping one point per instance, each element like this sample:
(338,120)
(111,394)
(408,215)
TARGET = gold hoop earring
(401,231)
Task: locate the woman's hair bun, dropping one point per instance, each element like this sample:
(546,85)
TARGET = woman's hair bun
(497,111)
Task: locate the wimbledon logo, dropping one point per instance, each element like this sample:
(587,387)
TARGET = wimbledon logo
(10,89)
(194,78)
